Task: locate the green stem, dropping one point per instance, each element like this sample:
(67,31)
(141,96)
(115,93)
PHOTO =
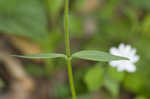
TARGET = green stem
(71,81)
(67,43)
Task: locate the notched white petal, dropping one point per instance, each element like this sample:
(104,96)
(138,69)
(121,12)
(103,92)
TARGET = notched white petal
(121,46)
(114,51)
(131,68)
(124,51)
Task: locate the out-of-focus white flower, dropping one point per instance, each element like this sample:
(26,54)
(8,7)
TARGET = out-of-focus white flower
(124,51)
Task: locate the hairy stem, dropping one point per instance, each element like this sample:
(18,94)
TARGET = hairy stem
(67,43)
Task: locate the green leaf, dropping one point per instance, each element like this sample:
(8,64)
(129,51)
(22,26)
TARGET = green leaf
(146,25)
(76,26)
(143,4)
(55,6)
(112,80)
(94,78)
(130,85)
(115,75)
(96,56)
(35,70)
(112,86)
(23,17)
(140,97)
(44,55)
(61,90)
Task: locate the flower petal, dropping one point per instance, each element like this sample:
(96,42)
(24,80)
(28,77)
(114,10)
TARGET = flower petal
(120,68)
(124,51)
(131,68)
(114,51)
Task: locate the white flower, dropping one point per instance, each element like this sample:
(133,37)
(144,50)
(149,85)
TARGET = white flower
(124,51)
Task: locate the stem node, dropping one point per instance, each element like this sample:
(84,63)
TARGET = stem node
(67,43)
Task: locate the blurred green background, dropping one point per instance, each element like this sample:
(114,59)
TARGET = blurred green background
(34,26)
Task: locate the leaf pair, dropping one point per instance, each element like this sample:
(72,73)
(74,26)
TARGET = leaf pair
(86,54)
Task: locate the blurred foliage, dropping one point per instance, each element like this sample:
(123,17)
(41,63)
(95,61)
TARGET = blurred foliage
(94,78)
(23,17)
(2,84)
(140,97)
(95,24)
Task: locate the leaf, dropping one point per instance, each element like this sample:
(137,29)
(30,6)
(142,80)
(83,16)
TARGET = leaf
(96,56)
(140,97)
(55,6)
(35,70)
(44,55)
(146,25)
(23,17)
(143,4)
(112,86)
(139,86)
(94,78)
(76,26)
(112,80)
(115,75)
(61,90)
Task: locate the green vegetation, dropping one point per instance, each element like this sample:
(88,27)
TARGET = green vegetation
(96,26)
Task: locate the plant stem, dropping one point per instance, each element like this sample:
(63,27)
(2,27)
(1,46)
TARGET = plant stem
(71,78)
(67,43)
